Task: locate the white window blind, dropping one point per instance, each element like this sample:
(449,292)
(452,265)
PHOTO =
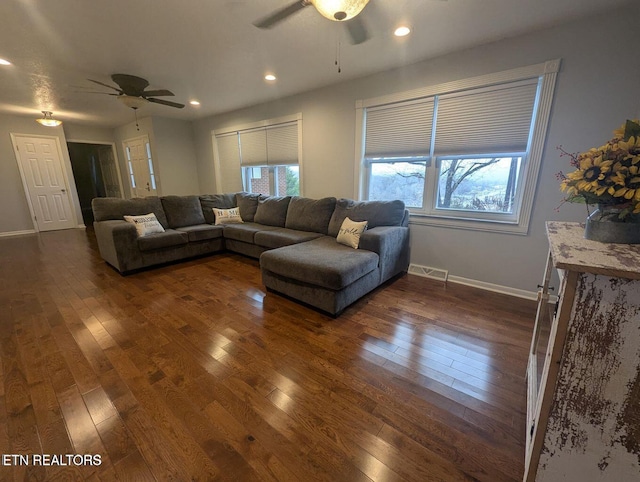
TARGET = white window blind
(253,147)
(399,130)
(272,145)
(229,160)
(282,144)
(488,120)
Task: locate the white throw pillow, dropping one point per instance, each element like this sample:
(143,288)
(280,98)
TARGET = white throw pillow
(227,216)
(350,232)
(145,224)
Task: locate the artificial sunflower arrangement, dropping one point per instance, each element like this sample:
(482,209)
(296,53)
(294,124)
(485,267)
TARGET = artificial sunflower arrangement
(608,175)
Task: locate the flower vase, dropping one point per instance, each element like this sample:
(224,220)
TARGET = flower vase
(604,225)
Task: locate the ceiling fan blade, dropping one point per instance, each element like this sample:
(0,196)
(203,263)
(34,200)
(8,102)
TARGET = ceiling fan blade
(165,102)
(105,85)
(157,93)
(280,15)
(357,30)
(130,84)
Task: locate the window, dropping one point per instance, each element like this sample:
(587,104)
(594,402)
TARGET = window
(152,175)
(267,157)
(463,154)
(130,164)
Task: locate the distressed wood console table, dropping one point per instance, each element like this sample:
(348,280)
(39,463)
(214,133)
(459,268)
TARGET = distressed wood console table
(583,404)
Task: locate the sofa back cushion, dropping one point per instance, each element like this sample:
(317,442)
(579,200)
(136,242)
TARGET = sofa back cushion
(182,210)
(110,208)
(218,201)
(306,214)
(272,211)
(248,204)
(376,213)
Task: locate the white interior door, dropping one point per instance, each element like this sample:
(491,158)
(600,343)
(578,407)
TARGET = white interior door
(110,172)
(43,175)
(140,165)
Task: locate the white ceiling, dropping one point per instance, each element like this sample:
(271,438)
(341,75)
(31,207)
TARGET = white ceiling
(209,50)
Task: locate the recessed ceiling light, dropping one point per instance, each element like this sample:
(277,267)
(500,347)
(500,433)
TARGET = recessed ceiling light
(194,102)
(402,31)
(270,77)
(4,62)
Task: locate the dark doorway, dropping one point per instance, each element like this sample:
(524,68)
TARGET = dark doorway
(95,173)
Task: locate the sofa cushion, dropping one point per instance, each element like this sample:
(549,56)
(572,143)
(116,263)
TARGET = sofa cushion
(307,214)
(244,232)
(167,239)
(182,210)
(376,213)
(201,232)
(248,204)
(145,224)
(279,237)
(321,262)
(113,208)
(219,201)
(272,211)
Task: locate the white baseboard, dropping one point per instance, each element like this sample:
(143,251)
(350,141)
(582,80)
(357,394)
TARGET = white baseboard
(483,285)
(506,290)
(17,233)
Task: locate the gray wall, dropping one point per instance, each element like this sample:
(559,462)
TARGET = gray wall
(172,152)
(597,90)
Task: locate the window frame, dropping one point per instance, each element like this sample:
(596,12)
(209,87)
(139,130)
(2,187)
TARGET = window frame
(518,223)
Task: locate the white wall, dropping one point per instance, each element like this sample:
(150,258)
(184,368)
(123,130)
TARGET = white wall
(14,212)
(597,90)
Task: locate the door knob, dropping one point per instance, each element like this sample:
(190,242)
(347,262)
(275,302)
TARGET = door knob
(63,190)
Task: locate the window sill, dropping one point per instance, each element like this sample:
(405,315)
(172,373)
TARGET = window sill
(486,225)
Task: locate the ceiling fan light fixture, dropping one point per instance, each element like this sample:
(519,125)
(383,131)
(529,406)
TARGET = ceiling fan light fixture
(132,101)
(339,10)
(47,120)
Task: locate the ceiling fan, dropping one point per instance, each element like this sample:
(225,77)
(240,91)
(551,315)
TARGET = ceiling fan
(132,93)
(346,11)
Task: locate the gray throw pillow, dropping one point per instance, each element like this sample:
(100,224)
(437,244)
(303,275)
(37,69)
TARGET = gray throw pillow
(272,211)
(313,215)
(376,213)
(182,210)
(248,204)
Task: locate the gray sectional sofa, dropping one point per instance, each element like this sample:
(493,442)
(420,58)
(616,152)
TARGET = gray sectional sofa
(293,237)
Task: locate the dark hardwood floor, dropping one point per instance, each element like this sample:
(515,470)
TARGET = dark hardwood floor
(192,372)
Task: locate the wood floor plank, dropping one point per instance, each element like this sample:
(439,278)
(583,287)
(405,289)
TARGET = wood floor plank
(193,371)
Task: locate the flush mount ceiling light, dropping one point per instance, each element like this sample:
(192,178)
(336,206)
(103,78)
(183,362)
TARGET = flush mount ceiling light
(47,120)
(194,102)
(4,62)
(339,10)
(402,31)
(270,77)
(132,101)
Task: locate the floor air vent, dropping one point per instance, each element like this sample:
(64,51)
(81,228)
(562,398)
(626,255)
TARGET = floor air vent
(428,272)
